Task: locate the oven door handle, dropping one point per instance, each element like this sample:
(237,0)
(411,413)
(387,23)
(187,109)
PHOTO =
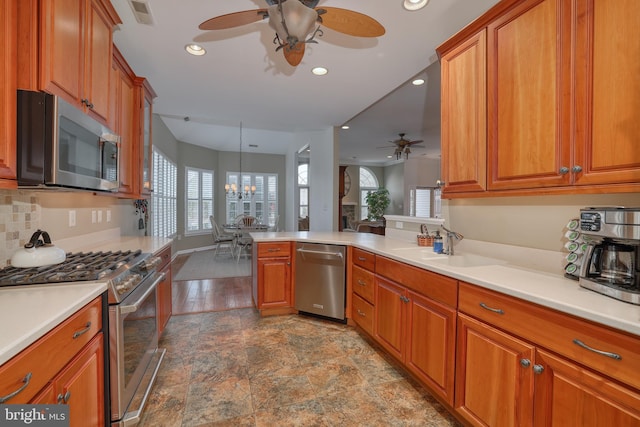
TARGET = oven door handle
(133,307)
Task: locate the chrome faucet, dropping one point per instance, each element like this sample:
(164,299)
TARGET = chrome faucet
(450,236)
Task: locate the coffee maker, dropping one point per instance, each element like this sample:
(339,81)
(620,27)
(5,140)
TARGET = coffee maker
(611,260)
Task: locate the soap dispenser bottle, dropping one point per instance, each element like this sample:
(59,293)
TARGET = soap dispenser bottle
(437,243)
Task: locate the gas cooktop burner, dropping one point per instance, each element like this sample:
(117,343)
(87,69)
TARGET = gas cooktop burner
(77,267)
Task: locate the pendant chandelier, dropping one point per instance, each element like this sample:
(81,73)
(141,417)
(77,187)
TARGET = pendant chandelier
(234,191)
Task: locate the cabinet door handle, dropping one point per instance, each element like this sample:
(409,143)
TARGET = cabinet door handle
(538,369)
(64,398)
(576,169)
(495,310)
(525,363)
(26,381)
(361,313)
(600,352)
(362,283)
(82,331)
(564,170)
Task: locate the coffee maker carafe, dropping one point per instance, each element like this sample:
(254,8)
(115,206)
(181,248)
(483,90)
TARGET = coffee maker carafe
(611,260)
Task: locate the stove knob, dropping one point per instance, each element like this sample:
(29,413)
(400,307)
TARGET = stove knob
(152,262)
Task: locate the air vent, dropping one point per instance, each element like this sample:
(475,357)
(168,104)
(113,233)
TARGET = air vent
(141,11)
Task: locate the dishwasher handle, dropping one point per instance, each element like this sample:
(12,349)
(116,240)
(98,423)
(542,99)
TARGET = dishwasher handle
(308,251)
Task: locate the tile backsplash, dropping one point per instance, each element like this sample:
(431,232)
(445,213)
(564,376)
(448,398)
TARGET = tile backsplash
(22,212)
(20,216)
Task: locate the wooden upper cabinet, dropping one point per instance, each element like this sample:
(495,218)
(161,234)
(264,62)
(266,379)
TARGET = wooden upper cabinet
(529,103)
(464,121)
(76,51)
(8,85)
(124,94)
(607,92)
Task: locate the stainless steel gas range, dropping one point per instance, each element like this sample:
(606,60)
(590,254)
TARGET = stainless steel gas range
(133,353)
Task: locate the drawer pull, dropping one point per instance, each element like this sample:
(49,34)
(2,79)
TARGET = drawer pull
(273,250)
(495,310)
(362,283)
(26,381)
(361,313)
(86,329)
(361,258)
(600,352)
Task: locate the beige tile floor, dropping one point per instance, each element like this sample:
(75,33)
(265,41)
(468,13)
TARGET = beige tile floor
(234,368)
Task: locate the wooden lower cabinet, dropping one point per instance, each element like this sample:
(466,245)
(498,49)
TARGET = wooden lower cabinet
(569,395)
(518,364)
(419,332)
(164,300)
(64,366)
(80,385)
(164,293)
(494,379)
(272,287)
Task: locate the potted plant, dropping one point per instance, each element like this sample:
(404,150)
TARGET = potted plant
(377,202)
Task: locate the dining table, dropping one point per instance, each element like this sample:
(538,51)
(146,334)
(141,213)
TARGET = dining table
(240,232)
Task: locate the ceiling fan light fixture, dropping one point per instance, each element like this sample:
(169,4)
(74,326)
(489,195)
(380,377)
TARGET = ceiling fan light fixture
(413,5)
(195,49)
(292,21)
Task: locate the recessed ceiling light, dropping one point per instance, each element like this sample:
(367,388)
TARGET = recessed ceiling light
(389,156)
(418,82)
(345,126)
(319,71)
(195,49)
(414,4)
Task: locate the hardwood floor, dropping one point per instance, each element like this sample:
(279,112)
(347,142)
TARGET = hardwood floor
(199,296)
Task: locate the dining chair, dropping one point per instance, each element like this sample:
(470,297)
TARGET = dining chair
(222,239)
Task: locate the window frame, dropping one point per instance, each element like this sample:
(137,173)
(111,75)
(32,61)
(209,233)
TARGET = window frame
(269,197)
(364,190)
(164,198)
(204,225)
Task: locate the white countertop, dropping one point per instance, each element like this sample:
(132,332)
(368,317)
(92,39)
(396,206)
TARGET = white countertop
(526,282)
(29,312)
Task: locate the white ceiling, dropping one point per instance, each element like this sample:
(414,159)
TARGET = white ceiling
(243,79)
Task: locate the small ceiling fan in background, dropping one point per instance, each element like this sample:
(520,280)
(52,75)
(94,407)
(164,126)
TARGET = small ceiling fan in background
(294,22)
(403,146)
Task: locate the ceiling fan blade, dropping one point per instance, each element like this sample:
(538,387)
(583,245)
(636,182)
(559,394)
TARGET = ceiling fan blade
(350,22)
(293,55)
(415,142)
(235,19)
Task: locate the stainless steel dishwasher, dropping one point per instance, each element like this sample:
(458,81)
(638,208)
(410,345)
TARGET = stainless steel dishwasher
(320,279)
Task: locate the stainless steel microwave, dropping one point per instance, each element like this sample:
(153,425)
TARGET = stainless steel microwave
(59,146)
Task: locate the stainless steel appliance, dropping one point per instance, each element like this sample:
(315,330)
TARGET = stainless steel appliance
(60,146)
(611,262)
(320,280)
(132,347)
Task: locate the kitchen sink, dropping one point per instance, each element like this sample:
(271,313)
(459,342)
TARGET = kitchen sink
(466,260)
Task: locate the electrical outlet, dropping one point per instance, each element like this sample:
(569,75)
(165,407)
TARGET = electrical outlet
(99,216)
(72,218)
(108,215)
(93,217)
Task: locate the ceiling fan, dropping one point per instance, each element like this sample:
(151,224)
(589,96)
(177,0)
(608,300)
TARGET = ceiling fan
(294,22)
(403,146)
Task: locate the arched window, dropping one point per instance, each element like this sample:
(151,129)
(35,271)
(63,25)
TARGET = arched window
(368,182)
